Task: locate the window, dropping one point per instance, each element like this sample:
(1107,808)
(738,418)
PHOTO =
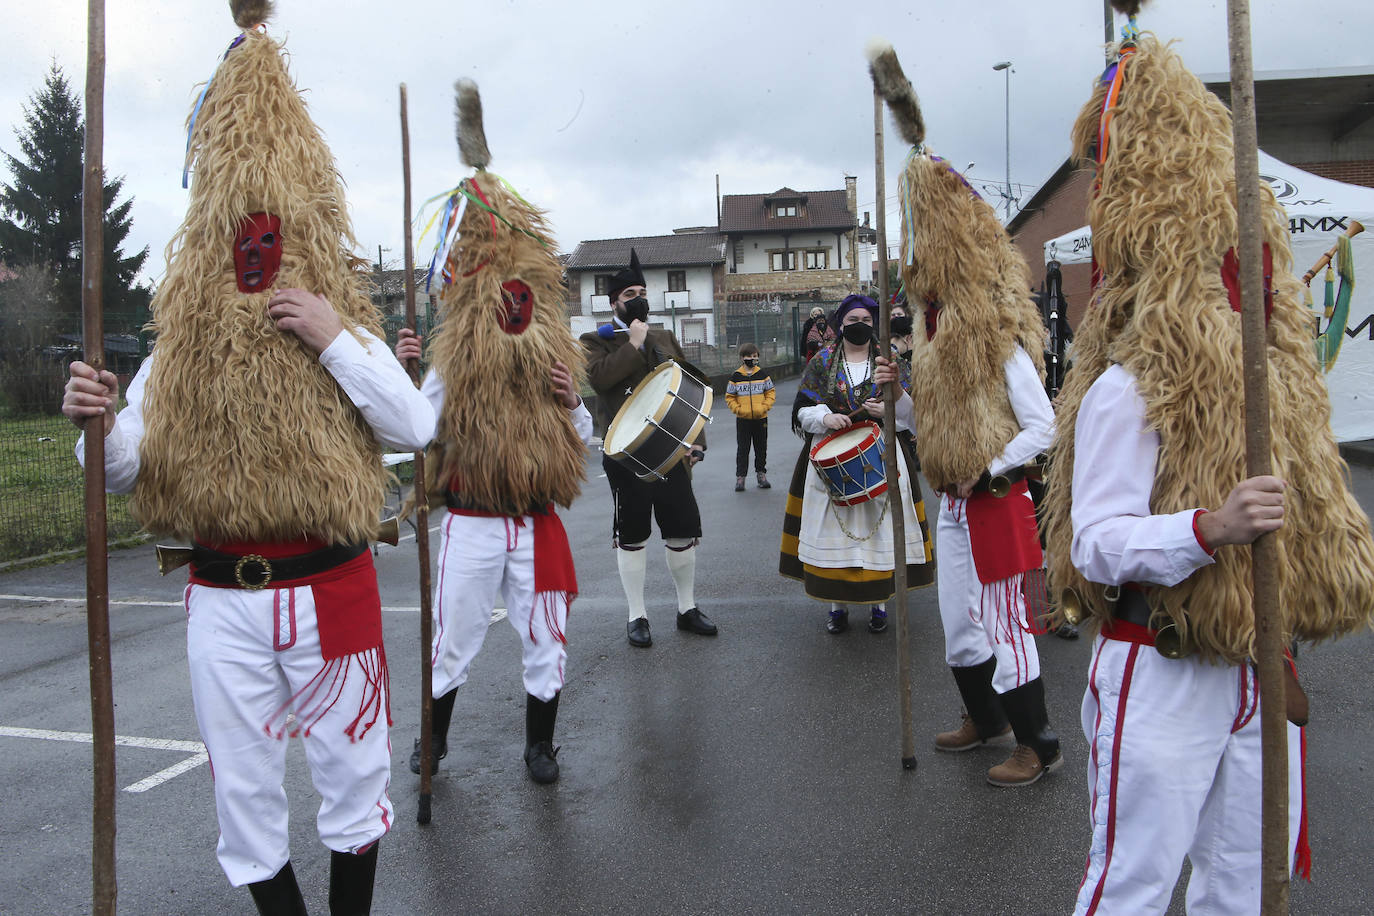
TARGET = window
(782,260)
(784,210)
(677,281)
(739,255)
(818,259)
(603,285)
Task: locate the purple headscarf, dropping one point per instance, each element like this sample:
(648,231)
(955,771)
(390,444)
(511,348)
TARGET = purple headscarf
(850,304)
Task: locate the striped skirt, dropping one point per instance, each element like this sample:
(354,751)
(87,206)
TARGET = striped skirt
(851,584)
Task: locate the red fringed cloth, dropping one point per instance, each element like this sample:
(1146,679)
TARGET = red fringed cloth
(348,616)
(555,577)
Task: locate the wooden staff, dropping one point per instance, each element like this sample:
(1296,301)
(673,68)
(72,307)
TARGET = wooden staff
(97,573)
(421,512)
(890,465)
(1263,557)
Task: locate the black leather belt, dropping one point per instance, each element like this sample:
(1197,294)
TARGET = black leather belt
(1132,607)
(254,571)
(984,484)
(458,501)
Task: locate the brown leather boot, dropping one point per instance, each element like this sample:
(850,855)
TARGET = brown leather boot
(966,737)
(1022,768)
(984,719)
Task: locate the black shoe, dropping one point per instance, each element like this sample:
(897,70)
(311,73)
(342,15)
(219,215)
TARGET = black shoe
(877,620)
(439,748)
(279,895)
(542,761)
(695,621)
(1066,631)
(838,622)
(763,482)
(638,632)
(739,484)
(540,754)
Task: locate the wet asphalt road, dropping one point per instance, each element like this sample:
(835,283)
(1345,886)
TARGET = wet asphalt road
(756,772)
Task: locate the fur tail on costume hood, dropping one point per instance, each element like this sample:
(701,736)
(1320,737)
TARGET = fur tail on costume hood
(250,13)
(472,139)
(896,90)
(1128,7)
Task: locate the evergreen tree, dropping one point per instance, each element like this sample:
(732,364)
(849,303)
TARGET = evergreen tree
(40,212)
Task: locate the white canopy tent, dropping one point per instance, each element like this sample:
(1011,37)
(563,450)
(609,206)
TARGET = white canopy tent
(1319,211)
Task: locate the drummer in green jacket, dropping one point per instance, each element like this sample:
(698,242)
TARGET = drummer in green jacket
(619,356)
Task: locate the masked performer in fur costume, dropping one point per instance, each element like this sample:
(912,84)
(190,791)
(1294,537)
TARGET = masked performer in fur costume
(502,342)
(843,554)
(1149,489)
(255,431)
(619,356)
(976,367)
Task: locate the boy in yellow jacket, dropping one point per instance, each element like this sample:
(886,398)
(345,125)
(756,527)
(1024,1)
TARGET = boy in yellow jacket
(750,395)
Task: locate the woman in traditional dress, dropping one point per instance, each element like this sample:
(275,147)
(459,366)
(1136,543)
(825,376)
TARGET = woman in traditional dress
(844,554)
(816,333)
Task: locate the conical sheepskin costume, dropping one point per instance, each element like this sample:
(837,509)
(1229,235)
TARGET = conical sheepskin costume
(970,288)
(248,436)
(505,442)
(1163,216)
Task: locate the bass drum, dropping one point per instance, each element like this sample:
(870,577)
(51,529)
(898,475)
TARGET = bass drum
(655,427)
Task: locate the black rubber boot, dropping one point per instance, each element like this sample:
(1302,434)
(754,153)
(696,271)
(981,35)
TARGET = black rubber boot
(981,701)
(279,895)
(1025,707)
(438,734)
(351,876)
(541,757)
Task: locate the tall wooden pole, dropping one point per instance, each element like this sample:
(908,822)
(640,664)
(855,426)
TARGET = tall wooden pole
(891,463)
(421,510)
(97,572)
(1268,625)
(1108,27)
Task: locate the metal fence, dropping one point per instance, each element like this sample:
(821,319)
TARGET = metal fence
(41,501)
(775,328)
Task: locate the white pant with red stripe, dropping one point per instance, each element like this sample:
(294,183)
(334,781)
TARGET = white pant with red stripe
(1174,771)
(481,557)
(980,621)
(255,658)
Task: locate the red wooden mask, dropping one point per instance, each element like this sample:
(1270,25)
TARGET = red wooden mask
(257,252)
(519,302)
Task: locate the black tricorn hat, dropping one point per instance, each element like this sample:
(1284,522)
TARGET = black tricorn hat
(630,276)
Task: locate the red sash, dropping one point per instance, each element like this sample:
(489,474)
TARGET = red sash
(1003,534)
(348,607)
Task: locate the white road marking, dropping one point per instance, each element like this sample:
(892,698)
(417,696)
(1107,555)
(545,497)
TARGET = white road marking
(407,537)
(113,603)
(195,748)
(389,608)
(172,772)
(155,744)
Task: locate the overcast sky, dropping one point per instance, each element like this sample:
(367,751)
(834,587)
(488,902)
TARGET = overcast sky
(616,117)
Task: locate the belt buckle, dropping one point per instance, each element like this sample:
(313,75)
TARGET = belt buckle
(262,562)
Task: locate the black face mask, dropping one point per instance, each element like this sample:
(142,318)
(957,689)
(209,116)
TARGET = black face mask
(635,309)
(857,333)
(751,361)
(901,325)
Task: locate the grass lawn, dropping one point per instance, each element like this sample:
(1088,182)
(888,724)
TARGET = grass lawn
(42,506)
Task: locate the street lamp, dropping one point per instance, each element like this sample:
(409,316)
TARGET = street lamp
(1005,67)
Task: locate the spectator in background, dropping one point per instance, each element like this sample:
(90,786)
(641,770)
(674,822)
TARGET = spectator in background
(750,395)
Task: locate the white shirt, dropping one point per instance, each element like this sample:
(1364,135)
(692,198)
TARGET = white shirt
(400,416)
(1116,539)
(1033,414)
